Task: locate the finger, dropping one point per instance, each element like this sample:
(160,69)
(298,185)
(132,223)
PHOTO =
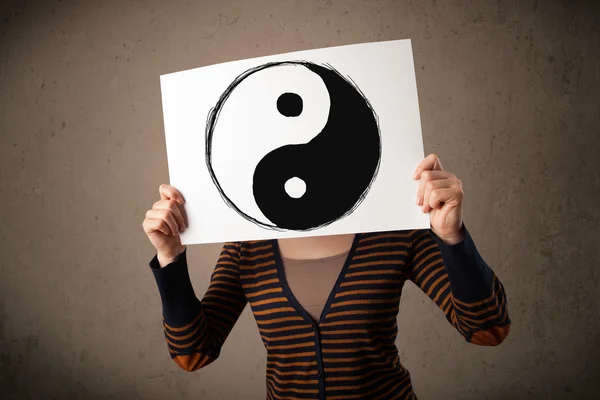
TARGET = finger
(166,216)
(152,225)
(184,214)
(178,211)
(168,192)
(430,187)
(175,209)
(439,197)
(428,176)
(431,162)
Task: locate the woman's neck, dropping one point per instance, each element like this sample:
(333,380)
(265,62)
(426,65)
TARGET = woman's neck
(314,247)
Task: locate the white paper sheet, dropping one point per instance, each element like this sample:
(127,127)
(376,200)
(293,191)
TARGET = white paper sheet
(310,143)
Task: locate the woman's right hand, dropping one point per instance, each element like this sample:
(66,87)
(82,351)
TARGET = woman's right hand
(164,222)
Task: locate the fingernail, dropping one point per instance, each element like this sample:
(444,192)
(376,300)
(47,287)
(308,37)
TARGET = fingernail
(180,201)
(415,176)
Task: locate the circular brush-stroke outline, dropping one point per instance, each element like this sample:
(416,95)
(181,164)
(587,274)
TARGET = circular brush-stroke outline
(213,116)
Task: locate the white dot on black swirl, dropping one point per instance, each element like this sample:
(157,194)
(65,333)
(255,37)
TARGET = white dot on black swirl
(293,145)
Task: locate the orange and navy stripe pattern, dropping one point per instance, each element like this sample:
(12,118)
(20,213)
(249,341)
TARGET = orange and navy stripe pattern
(198,343)
(351,352)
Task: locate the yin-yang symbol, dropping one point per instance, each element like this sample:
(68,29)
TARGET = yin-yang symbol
(293,145)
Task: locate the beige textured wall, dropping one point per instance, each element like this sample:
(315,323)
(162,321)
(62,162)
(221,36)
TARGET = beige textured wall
(509,100)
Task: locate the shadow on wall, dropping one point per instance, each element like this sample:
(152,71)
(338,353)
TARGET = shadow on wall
(48,381)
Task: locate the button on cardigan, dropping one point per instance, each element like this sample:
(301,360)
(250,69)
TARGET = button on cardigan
(350,352)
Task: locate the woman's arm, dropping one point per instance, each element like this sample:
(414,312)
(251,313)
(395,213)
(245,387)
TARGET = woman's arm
(459,281)
(196,329)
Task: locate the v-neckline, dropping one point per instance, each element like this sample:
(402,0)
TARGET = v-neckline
(330,299)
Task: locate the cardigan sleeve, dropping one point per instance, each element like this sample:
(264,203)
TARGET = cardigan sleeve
(194,329)
(462,285)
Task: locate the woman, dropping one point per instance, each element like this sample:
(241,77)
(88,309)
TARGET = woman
(321,342)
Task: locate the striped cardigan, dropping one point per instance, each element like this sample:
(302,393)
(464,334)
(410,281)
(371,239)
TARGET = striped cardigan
(351,352)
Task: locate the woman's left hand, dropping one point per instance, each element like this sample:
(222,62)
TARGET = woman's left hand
(440,194)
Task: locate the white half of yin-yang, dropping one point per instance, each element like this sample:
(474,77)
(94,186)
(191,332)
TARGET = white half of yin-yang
(250,126)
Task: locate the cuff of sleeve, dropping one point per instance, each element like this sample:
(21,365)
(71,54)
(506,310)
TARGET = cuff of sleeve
(179,301)
(470,277)
(156,266)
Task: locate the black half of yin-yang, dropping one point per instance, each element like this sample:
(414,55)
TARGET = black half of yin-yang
(338,165)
